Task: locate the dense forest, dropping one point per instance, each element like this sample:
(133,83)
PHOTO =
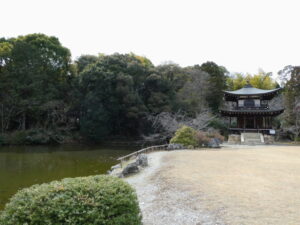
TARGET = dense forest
(46,97)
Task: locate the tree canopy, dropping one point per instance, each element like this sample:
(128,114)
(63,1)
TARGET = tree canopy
(101,96)
(217,83)
(261,80)
(35,78)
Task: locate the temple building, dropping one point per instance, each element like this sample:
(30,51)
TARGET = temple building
(250,111)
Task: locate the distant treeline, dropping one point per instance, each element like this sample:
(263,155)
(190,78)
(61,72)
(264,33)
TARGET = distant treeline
(41,88)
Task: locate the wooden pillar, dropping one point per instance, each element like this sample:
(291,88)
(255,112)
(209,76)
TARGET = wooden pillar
(244,125)
(230,122)
(255,122)
(271,121)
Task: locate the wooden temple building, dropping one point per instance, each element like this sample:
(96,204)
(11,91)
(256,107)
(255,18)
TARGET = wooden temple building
(250,111)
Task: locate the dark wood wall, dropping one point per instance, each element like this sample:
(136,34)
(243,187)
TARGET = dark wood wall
(254,122)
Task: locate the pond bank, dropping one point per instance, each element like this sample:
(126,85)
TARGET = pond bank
(234,185)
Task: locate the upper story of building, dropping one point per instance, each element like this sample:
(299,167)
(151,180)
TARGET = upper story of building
(249,97)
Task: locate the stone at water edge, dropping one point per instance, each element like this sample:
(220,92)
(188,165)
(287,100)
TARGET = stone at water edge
(116,167)
(115,170)
(130,169)
(142,160)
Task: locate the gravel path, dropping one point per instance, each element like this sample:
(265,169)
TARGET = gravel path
(233,185)
(162,202)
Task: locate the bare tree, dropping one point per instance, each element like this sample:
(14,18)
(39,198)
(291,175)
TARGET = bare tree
(277,102)
(165,124)
(293,130)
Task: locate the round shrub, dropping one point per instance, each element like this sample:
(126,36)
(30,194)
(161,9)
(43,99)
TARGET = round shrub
(84,200)
(17,137)
(185,136)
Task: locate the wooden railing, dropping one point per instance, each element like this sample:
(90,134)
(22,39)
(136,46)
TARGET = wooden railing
(251,107)
(144,150)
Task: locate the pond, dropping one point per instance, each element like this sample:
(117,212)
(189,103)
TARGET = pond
(23,166)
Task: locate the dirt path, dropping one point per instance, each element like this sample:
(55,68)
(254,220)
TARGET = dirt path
(234,185)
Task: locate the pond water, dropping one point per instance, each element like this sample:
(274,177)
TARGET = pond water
(23,166)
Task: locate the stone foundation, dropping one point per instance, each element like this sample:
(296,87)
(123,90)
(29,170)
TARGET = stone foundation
(269,139)
(234,139)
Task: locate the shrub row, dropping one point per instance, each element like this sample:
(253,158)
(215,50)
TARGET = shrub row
(188,136)
(30,137)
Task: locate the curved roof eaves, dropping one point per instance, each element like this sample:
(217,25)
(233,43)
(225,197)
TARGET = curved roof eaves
(251,91)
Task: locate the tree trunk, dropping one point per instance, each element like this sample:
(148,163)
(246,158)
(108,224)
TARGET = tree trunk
(24,121)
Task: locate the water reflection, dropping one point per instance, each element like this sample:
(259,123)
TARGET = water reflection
(22,166)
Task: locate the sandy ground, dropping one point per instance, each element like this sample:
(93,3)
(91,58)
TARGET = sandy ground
(233,185)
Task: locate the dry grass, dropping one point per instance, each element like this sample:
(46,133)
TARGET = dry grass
(254,185)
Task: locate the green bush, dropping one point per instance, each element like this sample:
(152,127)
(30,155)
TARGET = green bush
(190,138)
(17,137)
(185,136)
(219,125)
(42,137)
(84,200)
(297,139)
(33,137)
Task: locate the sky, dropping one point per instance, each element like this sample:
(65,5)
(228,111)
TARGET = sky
(242,35)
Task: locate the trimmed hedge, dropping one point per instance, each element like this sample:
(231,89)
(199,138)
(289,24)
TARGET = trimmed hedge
(98,199)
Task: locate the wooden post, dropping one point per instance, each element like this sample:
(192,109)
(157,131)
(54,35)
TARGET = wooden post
(229,122)
(266,123)
(271,122)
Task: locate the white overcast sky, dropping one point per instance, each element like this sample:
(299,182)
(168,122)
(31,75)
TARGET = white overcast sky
(242,35)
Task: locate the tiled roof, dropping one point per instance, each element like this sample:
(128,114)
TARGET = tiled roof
(252,112)
(249,90)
